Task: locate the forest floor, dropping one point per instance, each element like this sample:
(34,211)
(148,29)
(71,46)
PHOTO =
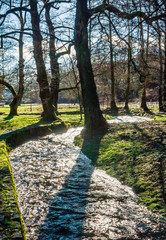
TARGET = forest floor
(134,153)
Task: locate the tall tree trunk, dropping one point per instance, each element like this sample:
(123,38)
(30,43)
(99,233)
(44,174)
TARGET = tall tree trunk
(78,89)
(128,81)
(90,31)
(55,79)
(164,97)
(161,72)
(143,98)
(113,106)
(17,99)
(48,108)
(93,116)
(128,71)
(143,59)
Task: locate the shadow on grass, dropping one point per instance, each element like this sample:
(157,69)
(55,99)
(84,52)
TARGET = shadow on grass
(9,117)
(118,112)
(28,114)
(67,212)
(69,113)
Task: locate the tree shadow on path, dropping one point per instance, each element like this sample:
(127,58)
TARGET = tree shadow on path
(67,212)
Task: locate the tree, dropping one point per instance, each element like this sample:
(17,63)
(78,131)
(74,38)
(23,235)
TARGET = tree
(17,99)
(165,62)
(45,95)
(17,95)
(129,56)
(161,108)
(93,115)
(113,106)
(144,69)
(55,78)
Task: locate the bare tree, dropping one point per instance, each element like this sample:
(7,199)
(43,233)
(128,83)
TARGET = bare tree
(17,99)
(93,115)
(113,106)
(45,95)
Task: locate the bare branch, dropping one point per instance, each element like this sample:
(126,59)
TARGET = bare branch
(6,35)
(71,88)
(58,55)
(111,8)
(13,10)
(6,84)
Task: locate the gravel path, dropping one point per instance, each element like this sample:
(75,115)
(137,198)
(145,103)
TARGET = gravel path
(62,196)
(128,119)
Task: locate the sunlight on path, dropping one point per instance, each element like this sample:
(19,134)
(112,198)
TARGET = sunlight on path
(129,119)
(62,196)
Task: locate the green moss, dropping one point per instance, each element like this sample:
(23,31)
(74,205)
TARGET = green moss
(3,154)
(16,198)
(9,205)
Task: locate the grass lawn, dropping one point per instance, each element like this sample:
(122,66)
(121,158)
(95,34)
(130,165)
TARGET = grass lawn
(30,114)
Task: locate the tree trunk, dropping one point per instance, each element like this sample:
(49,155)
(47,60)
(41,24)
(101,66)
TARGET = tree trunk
(113,106)
(128,72)
(17,99)
(55,79)
(164,97)
(78,89)
(143,99)
(161,73)
(126,107)
(94,120)
(48,109)
(144,68)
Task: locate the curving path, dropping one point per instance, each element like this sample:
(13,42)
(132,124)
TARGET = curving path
(62,196)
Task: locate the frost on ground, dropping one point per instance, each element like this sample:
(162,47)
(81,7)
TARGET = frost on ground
(62,196)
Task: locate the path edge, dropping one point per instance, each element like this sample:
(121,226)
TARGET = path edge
(11,222)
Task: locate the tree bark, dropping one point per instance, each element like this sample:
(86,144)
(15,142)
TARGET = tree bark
(55,78)
(128,79)
(161,73)
(164,97)
(17,99)
(143,99)
(113,106)
(48,109)
(144,68)
(94,120)
(128,69)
